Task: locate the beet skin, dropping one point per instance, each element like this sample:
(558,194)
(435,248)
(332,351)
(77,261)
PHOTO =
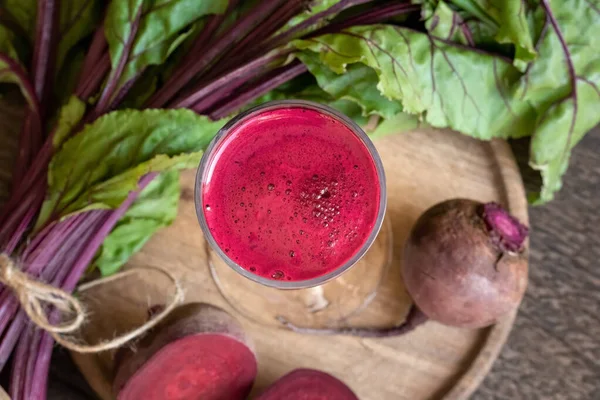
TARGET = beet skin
(465,264)
(308,384)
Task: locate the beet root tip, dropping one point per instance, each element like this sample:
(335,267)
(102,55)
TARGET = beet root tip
(414,318)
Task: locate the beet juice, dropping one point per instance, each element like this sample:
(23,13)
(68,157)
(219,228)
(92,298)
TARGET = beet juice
(291,192)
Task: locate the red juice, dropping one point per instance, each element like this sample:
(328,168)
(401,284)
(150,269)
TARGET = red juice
(291,193)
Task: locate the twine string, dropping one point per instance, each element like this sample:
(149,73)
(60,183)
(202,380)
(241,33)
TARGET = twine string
(35,295)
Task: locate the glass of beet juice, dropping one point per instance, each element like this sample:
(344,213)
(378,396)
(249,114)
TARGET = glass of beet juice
(291,195)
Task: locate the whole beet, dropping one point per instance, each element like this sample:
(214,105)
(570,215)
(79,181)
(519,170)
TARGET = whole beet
(465,263)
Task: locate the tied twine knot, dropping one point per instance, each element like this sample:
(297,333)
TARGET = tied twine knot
(35,295)
(32,294)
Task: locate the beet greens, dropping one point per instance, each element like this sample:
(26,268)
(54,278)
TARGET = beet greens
(94,180)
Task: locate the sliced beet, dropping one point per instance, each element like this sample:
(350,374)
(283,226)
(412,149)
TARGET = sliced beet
(198,352)
(308,384)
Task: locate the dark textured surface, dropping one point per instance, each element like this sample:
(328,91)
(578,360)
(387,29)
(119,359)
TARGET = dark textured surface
(554,349)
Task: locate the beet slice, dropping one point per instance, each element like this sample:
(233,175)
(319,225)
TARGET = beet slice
(198,352)
(308,384)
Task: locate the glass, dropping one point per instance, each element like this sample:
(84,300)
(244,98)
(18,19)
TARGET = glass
(325,300)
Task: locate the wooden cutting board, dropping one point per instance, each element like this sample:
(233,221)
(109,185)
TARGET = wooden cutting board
(434,362)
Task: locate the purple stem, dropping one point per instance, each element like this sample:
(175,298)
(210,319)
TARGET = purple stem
(97,49)
(45,48)
(23,82)
(59,248)
(61,265)
(275,22)
(91,83)
(52,233)
(115,76)
(372,16)
(34,178)
(213,99)
(42,72)
(9,227)
(296,30)
(467,33)
(96,241)
(38,388)
(35,347)
(26,148)
(207,34)
(249,69)
(10,305)
(9,340)
(186,72)
(274,80)
(23,225)
(18,374)
(55,255)
(33,123)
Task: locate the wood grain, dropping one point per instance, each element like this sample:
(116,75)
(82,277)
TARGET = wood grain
(437,362)
(535,363)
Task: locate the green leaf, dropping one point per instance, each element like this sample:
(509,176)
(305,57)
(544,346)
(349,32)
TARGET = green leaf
(68,76)
(315,7)
(24,12)
(98,167)
(155,207)
(514,28)
(78,19)
(143,88)
(111,192)
(68,117)
(449,85)
(305,87)
(563,86)
(399,123)
(143,32)
(443,22)
(12,72)
(6,43)
(506,21)
(11,69)
(477,9)
(358,85)
(460,26)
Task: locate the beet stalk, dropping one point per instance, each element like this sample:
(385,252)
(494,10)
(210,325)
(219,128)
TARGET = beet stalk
(198,352)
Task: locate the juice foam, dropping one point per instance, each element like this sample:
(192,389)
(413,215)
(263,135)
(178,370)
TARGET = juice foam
(291,194)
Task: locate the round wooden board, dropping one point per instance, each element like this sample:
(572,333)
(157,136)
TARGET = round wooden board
(434,362)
